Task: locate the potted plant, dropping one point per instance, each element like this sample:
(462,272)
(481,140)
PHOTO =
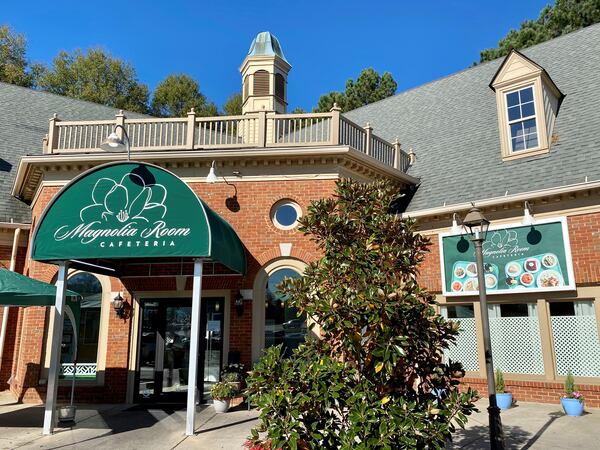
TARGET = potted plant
(572,401)
(233,374)
(503,398)
(222,393)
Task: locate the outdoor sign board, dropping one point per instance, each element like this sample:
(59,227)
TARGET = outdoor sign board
(517,258)
(133,210)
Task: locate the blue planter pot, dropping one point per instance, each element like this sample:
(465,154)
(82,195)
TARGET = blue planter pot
(504,400)
(572,406)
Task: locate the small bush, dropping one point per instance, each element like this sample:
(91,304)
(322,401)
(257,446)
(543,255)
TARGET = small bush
(222,391)
(571,390)
(500,387)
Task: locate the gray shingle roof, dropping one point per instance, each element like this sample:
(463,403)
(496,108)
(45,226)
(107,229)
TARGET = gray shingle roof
(24,115)
(452,126)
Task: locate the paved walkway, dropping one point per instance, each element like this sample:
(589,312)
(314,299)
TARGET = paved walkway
(116,427)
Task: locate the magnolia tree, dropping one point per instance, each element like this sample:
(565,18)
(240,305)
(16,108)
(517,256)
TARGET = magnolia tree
(376,378)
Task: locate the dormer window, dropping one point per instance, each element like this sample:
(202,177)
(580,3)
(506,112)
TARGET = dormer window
(528,103)
(521,119)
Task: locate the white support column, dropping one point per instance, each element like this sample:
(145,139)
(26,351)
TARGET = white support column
(190,421)
(55,347)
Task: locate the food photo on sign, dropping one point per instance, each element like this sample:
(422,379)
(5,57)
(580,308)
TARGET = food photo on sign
(531,258)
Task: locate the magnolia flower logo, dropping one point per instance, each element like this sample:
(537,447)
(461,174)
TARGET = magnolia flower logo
(502,239)
(129,199)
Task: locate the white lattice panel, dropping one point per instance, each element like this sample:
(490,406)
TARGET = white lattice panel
(576,345)
(465,350)
(83,369)
(516,345)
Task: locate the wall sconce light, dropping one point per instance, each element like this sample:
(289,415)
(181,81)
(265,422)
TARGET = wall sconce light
(239,304)
(456,228)
(528,218)
(212,176)
(118,304)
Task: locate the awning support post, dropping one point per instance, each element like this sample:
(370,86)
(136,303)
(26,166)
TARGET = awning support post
(192,395)
(55,348)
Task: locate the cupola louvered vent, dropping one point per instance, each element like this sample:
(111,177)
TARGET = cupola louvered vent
(261,83)
(280,86)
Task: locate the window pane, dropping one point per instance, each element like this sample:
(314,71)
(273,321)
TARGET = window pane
(465,348)
(282,323)
(575,338)
(286,215)
(512,99)
(514,113)
(516,129)
(90,289)
(515,336)
(562,309)
(526,95)
(460,312)
(529,126)
(518,144)
(527,109)
(514,310)
(531,140)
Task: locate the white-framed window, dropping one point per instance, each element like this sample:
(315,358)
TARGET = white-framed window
(522,120)
(87,332)
(285,214)
(274,322)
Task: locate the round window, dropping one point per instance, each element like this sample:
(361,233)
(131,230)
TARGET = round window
(285,214)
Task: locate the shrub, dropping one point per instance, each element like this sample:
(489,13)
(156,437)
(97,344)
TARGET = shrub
(571,390)
(500,387)
(233,373)
(373,379)
(222,391)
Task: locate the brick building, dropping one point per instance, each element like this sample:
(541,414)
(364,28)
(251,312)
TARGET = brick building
(516,136)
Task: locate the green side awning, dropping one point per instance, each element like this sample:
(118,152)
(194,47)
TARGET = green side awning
(19,290)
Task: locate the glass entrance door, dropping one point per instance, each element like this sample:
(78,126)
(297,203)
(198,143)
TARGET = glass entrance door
(164,350)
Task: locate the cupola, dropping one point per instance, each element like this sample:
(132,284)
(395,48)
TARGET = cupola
(264,76)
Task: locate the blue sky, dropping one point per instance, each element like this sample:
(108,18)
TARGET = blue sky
(326,42)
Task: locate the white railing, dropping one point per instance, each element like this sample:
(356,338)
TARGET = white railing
(81,369)
(299,129)
(248,131)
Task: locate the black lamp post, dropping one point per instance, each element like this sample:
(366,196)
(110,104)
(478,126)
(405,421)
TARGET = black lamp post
(477,226)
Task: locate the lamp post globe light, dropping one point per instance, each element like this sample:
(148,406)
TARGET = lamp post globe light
(113,143)
(477,226)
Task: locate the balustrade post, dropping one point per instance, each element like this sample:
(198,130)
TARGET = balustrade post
(335,124)
(397,155)
(191,129)
(262,129)
(52,135)
(120,120)
(368,132)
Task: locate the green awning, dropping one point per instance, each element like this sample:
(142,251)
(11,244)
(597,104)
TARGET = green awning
(129,210)
(19,290)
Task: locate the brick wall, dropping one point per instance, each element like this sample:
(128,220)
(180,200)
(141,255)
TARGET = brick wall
(251,220)
(538,391)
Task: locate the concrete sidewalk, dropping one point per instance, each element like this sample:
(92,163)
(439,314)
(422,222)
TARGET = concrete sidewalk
(527,426)
(123,427)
